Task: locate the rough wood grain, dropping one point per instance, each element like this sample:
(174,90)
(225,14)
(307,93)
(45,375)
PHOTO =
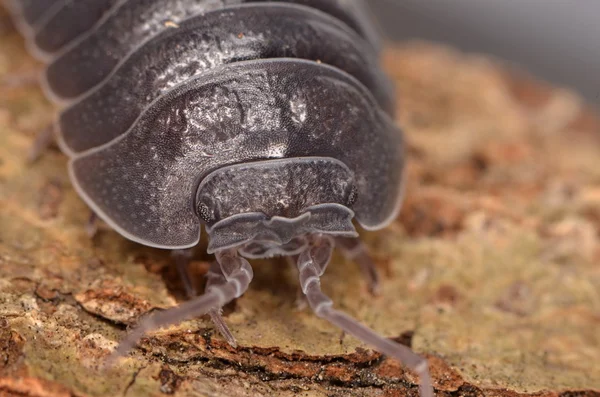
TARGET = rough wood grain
(492,270)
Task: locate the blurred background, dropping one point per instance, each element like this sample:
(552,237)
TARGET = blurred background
(557,40)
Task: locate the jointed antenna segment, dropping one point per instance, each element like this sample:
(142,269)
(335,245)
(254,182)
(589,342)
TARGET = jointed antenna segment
(237,274)
(311,265)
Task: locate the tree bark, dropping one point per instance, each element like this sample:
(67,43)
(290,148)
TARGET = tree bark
(491,270)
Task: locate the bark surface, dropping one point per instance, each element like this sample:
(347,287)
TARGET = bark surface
(491,271)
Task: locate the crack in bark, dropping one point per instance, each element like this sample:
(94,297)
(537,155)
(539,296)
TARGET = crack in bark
(355,370)
(133,379)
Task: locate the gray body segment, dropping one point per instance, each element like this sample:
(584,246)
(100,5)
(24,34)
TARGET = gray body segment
(88,60)
(205,41)
(66,22)
(162,93)
(234,201)
(145,180)
(129,24)
(284,188)
(29,12)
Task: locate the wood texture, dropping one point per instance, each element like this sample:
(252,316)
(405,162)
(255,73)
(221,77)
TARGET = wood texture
(491,271)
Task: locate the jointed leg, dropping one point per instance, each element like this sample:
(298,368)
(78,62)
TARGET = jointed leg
(42,142)
(213,277)
(237,273)
(353,249)
(182,259)
(301,302)
(311,265)
(91,227)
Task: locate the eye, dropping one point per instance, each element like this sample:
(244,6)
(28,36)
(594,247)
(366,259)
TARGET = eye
(205,213)
(352,196)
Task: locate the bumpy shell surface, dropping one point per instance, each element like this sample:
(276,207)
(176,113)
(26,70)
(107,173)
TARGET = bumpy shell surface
(159,93)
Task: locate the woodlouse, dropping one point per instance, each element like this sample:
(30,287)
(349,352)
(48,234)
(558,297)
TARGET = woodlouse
(268,122)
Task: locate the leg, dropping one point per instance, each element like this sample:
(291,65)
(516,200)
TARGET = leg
(301,302)
(20,80)
(237,273)
(182,261)
(91,227)
(41,143)
(311,265)
(354,250)
(213,277)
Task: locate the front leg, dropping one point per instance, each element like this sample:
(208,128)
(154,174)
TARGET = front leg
(354,249)
(237,273)
(311,266)
(214,277)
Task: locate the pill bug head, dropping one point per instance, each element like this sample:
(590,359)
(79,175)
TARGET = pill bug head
(267,208)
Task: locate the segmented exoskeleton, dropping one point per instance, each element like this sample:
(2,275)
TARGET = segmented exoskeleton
(268,122)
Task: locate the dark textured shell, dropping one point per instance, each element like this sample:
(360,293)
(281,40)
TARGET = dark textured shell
(160,93)
(209,40)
